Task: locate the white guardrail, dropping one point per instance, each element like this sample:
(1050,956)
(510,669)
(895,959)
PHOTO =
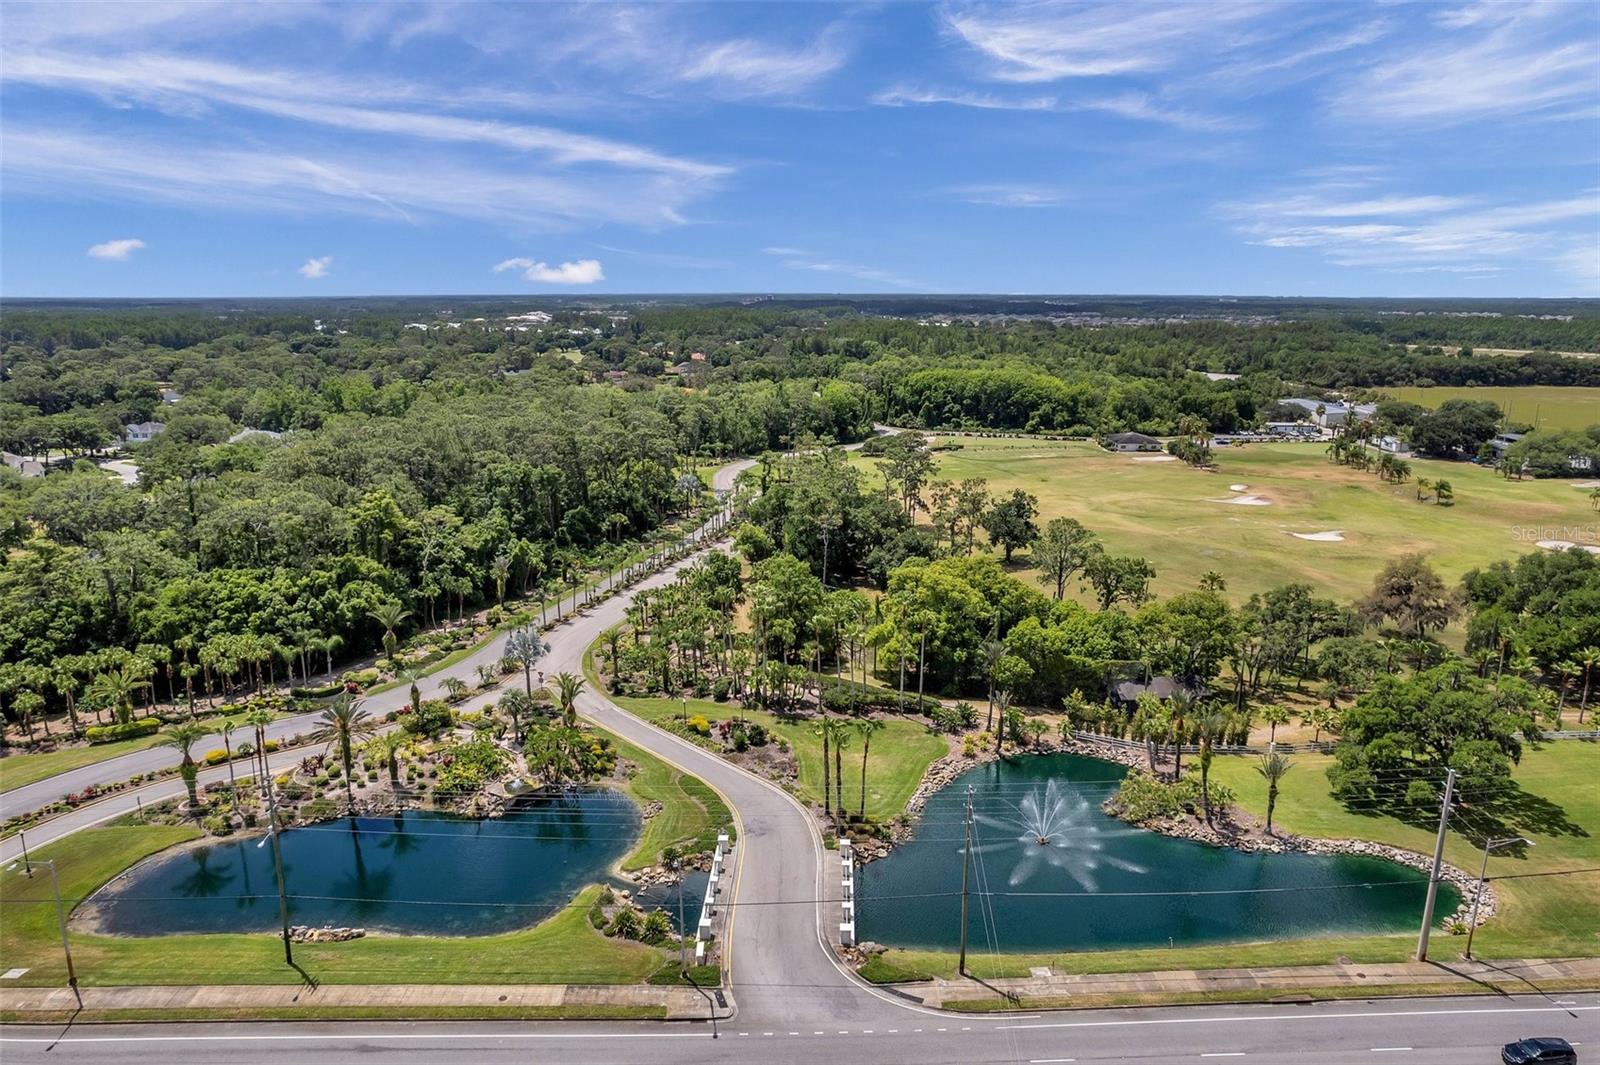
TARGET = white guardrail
(709,909)
(847,893)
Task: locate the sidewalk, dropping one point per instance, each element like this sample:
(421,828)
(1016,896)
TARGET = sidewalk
(680,1003)
(1453,976)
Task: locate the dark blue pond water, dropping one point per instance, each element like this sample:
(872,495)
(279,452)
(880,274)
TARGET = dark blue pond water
(1097,883)
(417,872)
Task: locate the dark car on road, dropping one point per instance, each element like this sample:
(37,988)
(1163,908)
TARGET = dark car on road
(1539,1052)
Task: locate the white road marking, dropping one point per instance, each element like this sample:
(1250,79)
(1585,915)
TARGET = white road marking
(1048,1061)
(1224,1054)
(336,1036)
(1279,1018)
(1388,1050)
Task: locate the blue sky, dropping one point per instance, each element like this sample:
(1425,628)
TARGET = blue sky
(190,149)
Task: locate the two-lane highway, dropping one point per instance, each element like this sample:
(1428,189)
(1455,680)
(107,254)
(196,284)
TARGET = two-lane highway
(1425,1032)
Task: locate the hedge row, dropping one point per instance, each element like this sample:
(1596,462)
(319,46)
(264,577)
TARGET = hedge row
(144,726)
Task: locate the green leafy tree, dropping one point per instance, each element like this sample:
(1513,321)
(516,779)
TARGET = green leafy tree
(1010,522)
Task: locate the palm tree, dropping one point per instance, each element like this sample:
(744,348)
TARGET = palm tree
(1443,494)
(568,688)
(1274,716)
(1212,581)
(115,688)
(992,652)
(1566,670)
(824,729)
(454,688)
(866,727)
(1588,658)
(183,737)
(65,681)
(1423,485)
(227,730)
(524,647)
(330,646)
(841,737)
(391,616)
(258,719)
(1274,767)
(500,570)
(1594,498)
(387,748)
(1212,724)
(341,723)
(516,706)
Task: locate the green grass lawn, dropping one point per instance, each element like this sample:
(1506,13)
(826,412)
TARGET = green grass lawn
(1557,806)
(900,754)
(562,949)
(17,770)
(1542,406)
(1166,512)
(692,814)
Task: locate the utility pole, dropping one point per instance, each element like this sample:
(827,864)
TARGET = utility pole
(61,921)
(1483,875)
(1438,863)
(966,874)
(683,932)
(277,865)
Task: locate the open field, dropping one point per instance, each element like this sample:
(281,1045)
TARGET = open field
(562,949)
(1557,805)
(1541,916)
(1170,513)
(900,754)
(1542,406)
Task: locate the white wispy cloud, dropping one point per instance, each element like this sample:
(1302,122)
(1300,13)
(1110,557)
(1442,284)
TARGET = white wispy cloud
(581,272)
(116,250)
(315,267)
(905,96)
(366,183)
(801,259)
(1010,195)
(1133,105)
(1036,42)
(747,67)
(1492,61)
(195,87)
(1416,233)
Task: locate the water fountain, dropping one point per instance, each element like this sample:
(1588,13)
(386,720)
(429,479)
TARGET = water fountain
(1050,870)
(1058,830)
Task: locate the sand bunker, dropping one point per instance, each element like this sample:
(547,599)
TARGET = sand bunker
(1237,487)
(1156,458)
(1586,484)
(1244,501)
(1554,545)
(1329,537)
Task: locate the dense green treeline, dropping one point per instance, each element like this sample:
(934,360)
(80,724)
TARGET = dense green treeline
(416,459)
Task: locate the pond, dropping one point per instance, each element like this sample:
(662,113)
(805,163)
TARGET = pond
(416,872)
(1050,871)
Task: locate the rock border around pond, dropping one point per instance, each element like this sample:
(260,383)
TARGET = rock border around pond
(944,771)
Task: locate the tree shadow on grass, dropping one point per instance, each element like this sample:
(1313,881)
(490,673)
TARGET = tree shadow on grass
(1509,812)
